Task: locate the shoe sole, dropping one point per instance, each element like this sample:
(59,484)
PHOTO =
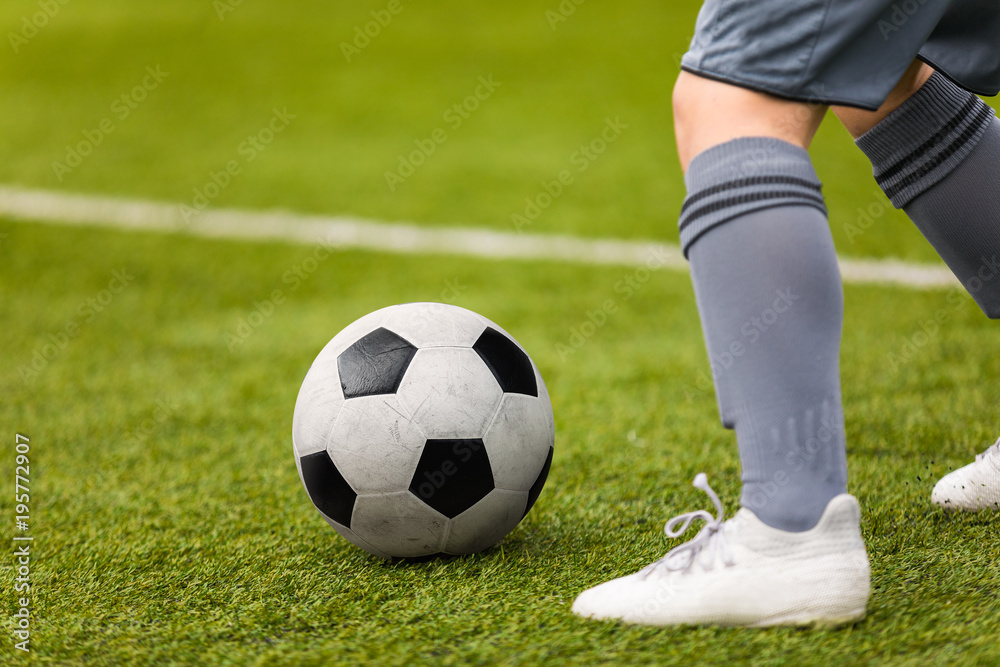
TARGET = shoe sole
(831,623)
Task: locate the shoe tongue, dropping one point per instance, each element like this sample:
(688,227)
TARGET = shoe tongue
(742,520)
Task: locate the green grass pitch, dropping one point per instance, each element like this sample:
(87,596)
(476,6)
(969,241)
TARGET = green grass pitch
(170,525)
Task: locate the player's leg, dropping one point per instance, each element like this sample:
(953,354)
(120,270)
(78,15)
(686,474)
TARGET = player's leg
(768,287)
(769,295)
(935,149)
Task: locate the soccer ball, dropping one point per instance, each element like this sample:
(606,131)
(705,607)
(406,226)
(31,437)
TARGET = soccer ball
(423,428)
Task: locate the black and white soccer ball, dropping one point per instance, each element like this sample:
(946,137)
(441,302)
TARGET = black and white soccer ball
(423,428)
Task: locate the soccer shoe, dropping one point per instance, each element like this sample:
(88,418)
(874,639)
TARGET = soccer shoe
(974,487)
(743,572)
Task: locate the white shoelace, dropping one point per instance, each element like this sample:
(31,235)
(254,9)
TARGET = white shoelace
(711,539)
(993,449)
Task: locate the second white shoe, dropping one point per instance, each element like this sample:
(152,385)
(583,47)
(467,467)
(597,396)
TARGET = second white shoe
(743,572)
(972,487)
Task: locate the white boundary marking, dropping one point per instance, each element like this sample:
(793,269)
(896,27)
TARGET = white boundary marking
(346,232)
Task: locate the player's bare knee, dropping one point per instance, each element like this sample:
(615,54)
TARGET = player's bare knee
(708,113)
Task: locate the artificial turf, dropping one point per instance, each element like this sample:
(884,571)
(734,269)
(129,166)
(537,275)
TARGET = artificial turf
(170,524)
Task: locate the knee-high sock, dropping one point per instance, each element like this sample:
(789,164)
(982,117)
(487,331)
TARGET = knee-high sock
(769,294)
(938,158)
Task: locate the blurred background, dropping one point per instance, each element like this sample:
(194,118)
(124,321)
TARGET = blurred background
(360,94)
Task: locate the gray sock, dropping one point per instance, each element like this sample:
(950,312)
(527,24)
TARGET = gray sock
(938,157)
(769,293)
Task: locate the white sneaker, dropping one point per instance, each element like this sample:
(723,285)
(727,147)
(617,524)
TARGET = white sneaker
(743,572)
(974,487)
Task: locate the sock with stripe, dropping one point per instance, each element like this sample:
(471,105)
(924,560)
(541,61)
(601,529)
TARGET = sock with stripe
(938,158)
(769,294)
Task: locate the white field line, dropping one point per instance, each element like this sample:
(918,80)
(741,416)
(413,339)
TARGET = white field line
(346,232)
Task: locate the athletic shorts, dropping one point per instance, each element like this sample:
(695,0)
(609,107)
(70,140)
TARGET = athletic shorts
(845,52)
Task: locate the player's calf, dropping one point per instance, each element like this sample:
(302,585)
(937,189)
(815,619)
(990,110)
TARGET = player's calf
(937,156)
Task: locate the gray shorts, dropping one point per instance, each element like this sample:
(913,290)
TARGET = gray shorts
(845,52)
